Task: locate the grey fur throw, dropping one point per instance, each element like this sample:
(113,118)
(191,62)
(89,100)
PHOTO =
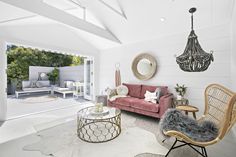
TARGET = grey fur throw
(174,119)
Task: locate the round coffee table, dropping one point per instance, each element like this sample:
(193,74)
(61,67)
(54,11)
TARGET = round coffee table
(188,108)
(97,128)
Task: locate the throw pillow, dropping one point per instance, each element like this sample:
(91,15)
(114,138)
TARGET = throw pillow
(38,84)
(26,84)
(150,97)
(122,90)
(158,94)
(33,84)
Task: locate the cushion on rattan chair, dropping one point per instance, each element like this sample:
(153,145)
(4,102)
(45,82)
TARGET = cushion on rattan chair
(175,120)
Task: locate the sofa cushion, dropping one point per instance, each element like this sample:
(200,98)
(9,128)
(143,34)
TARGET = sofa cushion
(134,90)
(125,101)
(37,89)
(144,105)
(45,83)
(145,88)
(26,84)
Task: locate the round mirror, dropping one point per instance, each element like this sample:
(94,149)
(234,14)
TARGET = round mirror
(144,66)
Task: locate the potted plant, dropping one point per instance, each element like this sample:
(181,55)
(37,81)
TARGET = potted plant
(181,90)
(53,76)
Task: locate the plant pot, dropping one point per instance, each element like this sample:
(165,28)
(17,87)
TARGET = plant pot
(179,97)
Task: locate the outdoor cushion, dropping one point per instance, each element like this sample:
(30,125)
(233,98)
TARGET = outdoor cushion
(26,84)
(134,90)
(37,89)
(144,105)
(44,83)
(39,84)
(125,101)
(69,84)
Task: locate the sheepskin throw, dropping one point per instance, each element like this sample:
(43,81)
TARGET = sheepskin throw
(174,119)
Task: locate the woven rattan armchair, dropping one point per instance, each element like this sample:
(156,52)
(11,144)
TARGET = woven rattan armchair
(220,108)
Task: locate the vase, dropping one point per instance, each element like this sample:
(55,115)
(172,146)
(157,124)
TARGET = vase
(179,97)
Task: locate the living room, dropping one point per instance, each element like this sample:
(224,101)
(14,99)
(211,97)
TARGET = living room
(118,34)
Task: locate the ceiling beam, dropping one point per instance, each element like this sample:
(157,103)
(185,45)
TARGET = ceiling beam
(43,9)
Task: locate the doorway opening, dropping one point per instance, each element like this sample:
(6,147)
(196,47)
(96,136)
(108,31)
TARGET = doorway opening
(41,80)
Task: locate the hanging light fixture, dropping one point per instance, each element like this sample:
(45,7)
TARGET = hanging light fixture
(194,58)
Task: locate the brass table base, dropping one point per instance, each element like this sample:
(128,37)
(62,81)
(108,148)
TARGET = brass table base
(98,130)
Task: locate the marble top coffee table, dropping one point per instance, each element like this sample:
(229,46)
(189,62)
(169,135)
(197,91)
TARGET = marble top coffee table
(98,127)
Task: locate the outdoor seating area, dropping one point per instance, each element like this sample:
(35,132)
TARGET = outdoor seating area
(64,87)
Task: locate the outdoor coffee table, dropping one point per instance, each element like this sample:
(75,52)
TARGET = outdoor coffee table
(97,128)
(62,91)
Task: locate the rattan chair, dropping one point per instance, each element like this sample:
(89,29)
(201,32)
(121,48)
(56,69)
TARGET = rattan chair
(220,108)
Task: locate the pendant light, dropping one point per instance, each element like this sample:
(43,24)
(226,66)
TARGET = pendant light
(194,58)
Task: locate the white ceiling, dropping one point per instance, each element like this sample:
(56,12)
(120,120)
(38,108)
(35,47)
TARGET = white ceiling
(142,23)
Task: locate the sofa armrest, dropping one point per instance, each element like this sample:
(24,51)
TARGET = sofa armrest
(165,103)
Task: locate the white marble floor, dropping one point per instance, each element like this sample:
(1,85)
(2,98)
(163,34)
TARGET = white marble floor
(32,104)
(16,128)
(24,126)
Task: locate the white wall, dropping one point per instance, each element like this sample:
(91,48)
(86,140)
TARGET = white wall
(168,73)
(35,70)
(71,73)
(233,50)
(3,81)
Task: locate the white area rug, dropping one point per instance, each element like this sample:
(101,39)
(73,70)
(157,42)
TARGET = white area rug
(62,140)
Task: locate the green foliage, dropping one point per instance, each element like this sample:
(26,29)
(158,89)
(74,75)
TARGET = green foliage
(181,90)
(77,61)
(54,76)
(20,58)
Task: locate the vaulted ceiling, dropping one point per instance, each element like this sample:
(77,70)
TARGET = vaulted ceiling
(108,23)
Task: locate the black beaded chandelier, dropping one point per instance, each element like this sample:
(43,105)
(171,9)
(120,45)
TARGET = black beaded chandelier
(194,58)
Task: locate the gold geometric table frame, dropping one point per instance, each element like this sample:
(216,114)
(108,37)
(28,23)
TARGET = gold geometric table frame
(98,129)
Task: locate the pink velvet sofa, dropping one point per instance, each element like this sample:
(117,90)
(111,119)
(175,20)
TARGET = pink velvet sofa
(135,102)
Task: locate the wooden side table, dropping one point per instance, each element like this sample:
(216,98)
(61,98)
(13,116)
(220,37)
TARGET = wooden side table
(188,108)
(180,102)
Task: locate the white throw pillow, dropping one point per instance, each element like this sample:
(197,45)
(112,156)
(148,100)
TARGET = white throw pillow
(122,90)
(150,97)
(38,84)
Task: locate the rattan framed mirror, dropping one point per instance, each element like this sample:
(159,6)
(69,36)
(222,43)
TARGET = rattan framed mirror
(144,66)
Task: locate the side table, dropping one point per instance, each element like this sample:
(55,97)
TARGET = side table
(180,102)
(188,108)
